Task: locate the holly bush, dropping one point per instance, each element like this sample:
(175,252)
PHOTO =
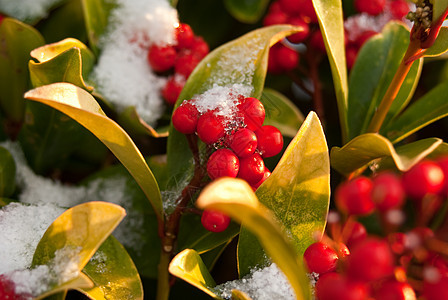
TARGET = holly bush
(193,149)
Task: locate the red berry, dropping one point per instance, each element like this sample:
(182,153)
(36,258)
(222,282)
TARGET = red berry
(370,260)
(358,233)
(364,37)
(211,127)
(354,196)
(266,175)
(371,7)
(185,64)
(184,36)
(199,48)
(214,221)
(307,11)
(291,6)
(394,290)
(436,289)
(253,112)
(251,168)
(397,242)
(424,178)
(270,140)
(399,9)
(320,258)
(243,142)
(443,164)
(387,192)
(185,118)
(7,290)
(161,58)
(172,89)
(350,55)
(302,35)
(274,18)
(223,162)
(334,286)
(317,41)
(273,66)
(286,58)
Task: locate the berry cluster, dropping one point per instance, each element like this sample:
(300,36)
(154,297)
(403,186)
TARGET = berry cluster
(177,60)
(410,261)
(7,290)
(240,143)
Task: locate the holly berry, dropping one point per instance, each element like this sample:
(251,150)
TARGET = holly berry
(387,192)
(252,111)
(199,48)
(354,196)
(211,127)
(364,37)
(274,18)
(399,9)
(7,290)
(357,234)
(291,6)
(424,178)
(350,55)
(266,174)
(251,168)
(436,289)
(443,164)
(161,58)
(395,290)
(185,118)
(214,221)
(270,140)
(371,7)
(302,35)
(320,258)
(243,142)
(184,35)
(185,64)
(307,11)
(172,89)
(286,58)
(334,286)
(223,162)
(317,41)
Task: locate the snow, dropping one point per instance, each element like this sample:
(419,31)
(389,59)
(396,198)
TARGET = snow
(261,284)
(123,74)
(27,9)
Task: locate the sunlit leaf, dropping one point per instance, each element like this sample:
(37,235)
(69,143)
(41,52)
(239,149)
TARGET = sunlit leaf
(241,61)
(372,73)
(331,22)
(18,39)
(298,192)
(429,108)
(281,112)
(82,107)
(439,7)
(239,295)
(247,11)
(7,173)
(59,291)
(440,45)
(368,147)
(114,274)
(236,198)
(188,266)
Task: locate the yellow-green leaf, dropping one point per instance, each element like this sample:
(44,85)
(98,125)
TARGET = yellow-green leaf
(113,273)
(236,198)
(439,8)
(82,107)
(58,292)
(189,266)
(366,148)
(239,295)
(440,45)
(7,174)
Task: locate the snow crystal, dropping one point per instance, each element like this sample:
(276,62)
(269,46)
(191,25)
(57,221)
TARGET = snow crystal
(263,284)
(99,260)
(123,74)
(21,228)
(27,9)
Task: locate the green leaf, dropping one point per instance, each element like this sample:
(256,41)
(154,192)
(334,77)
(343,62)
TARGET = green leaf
(426,110)
(7,173)
(132,122)
(113,272)
(59,291)
(368,147)
(298,192)
(74,237)
(66,61)
(82,107)
(236,198)
(246,11)
(281,112)
(331,22)
(438,9)
(96,15)
(241,61)
(372,73)
(18,39)
(188,266)
(440,45)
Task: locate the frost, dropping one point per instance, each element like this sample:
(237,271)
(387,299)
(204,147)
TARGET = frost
(99,261)
(262,284)
(27,9)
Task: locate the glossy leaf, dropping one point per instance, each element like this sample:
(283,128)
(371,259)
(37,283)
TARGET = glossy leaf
(426,110)
(247,11)
(59,292)
(298,192)
(331,22)
(281,112)
(239,295)
(66,61)
(235,198)
(439,7)
(18,39)
(7,173)
(131,120)
(241,61)
(440,45)
(368,147)
(96,14)
(189,266)
(82,107)
(114,274)
(372,73)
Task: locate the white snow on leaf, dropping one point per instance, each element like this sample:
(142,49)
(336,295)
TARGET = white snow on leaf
(27,9)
